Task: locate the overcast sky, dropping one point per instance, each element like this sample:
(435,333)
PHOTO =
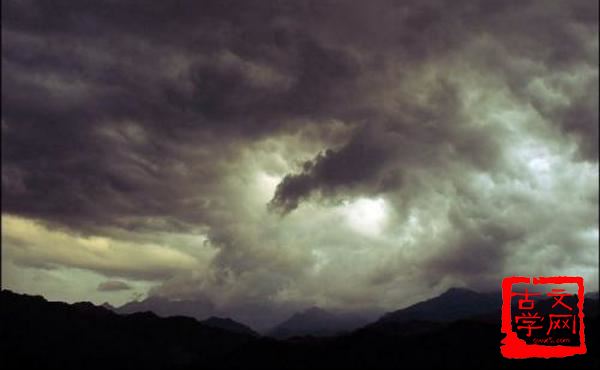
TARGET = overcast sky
(344,154)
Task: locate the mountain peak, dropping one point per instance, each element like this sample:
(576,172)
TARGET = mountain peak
(315,321)
(108,306)
(454,304)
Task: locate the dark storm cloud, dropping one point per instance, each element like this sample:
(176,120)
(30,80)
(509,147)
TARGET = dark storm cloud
(464,120)
(424,135)
(113,285)
(550,47)
(350,166)
(100,106)
(245,69)
(560,51)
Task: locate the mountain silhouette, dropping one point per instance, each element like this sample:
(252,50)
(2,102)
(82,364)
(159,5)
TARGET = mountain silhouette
(37,334)
(108,306)
(317,322)
(200,309)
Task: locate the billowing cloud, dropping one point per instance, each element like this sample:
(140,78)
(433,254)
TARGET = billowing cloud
(268,154)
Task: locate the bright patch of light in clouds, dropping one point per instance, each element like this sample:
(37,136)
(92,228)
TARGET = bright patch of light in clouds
(266,185)
(366,216)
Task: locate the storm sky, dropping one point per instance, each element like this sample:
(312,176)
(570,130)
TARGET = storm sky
(343,154)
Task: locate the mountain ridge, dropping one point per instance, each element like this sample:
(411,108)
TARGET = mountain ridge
(315,321)
(453,304)
(55,335)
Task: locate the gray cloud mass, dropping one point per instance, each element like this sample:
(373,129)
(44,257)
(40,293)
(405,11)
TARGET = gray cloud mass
(284,154)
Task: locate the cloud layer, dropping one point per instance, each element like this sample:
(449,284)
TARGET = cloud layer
(341,154)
